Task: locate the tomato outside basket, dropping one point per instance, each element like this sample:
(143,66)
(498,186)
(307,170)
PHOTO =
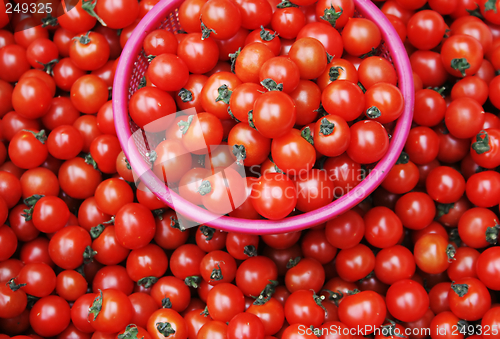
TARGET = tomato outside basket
(132,67)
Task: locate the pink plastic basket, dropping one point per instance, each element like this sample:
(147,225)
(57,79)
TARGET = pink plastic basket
(132,67)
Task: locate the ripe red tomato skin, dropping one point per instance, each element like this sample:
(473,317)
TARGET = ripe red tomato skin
(473,224)
(266,204)
(373,305)
(134,226)
(225,311)
(293,154)
(349,227)
(245,326)
(67,246)
(430,253)
(12,303)
(445,185)
(173,288)
(271,314)
(487,267)
(26,151)
(491,158)
(143,305)
(407,300)
(91,55)
(474,304)
(360,35)
(274,114)
(50,316)
(393,264)
(185,261)
(462,46)
(335,143)
(482,189)
(254,274)
(343,98)
(301,307)
(465,264)
(115,313)
(170,316)
(355,263)
(369,142)
(383,228)
(148,261)
(308,274)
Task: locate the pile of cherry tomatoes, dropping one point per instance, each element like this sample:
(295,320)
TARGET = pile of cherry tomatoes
(278,89)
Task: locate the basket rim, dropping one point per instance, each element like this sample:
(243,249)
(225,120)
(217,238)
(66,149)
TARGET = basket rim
(290,224)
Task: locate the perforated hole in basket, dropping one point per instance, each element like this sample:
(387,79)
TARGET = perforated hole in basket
(171,23)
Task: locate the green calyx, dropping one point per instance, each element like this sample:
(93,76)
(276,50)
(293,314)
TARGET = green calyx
(158,213)
(331,15)
(250,119)
(450,252)
(89,7)
(285,4)
(250,251)
(266,293)
(224,94)
(482,144)
(147,282)
(49,20)
(184,125)
(403,159)
(306,134)
(373,112)
(96,231)
(185,95)
(83,39)
(490,5)
(88,255)
(40,136)
(460,289)
(336,296)
(293,262)
(318,299)
(13,286)
(90,161)
(176,223)
(233,57)
(266,35)
(49,66)
(208,232)
(130,332)
(205,31)
(271,85)
(372,52)
(165,328)
(239,151)
(205,187)
(166,303)
(30,202)
(326,127)
(96,306)
(492,234)
(216,274)
(443,209)
(460,64)
(193,281)
(334,72)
